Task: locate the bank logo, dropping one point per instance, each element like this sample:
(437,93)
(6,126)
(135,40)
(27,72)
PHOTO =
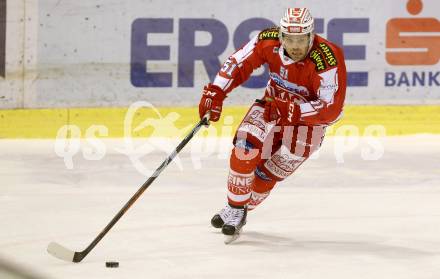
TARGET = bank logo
(413,41)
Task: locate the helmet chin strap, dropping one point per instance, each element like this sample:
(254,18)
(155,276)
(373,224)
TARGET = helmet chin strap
(312,38)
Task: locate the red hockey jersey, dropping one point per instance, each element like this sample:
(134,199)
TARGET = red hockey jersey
(318,81)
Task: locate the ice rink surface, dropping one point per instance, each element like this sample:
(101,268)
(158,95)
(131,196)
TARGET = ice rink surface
(342,215)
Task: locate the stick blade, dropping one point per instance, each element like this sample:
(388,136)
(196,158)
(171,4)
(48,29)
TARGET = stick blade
(60,252)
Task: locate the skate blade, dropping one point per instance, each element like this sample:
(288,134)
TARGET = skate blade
(231,238)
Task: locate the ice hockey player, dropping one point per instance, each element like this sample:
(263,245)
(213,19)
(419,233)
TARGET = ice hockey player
(305,94)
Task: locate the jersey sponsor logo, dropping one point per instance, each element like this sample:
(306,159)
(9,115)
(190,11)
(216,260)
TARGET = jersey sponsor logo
(285,160)
(255,125)
(275,170)
(289,86)
(283,163)
(256,118)
(328,86)
(269,34)
(236,180)
(252,130)
(318,59)
(329,55)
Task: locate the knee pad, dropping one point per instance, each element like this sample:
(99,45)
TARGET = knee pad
(244,157)
(282,164)
(262,183)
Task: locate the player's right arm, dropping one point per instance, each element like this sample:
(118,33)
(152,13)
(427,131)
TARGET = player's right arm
(235,71)
(240,65)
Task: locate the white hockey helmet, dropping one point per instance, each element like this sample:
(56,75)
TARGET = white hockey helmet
(298,21)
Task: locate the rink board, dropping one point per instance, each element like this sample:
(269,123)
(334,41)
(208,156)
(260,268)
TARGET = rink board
(171,121)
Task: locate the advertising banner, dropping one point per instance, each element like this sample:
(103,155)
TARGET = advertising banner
(113,53)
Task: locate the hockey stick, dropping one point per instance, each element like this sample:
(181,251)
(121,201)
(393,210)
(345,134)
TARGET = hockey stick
(65,254)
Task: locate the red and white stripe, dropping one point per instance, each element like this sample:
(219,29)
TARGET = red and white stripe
(239,187)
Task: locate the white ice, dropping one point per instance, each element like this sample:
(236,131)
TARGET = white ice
(340,215)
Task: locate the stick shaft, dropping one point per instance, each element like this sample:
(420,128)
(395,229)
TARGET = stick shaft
(81,255)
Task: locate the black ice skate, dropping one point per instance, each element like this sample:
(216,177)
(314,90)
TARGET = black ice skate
(233,225)
(218,220)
